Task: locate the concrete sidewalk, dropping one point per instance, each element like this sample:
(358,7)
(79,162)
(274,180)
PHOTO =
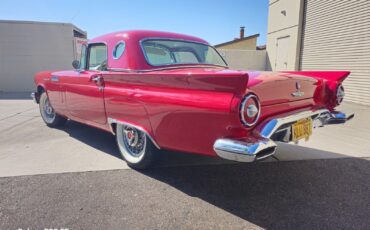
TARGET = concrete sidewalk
(29,147)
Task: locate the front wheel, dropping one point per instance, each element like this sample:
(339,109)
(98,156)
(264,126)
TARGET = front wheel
(135,147)
(50,117)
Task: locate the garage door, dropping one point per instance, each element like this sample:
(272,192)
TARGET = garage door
(336,36)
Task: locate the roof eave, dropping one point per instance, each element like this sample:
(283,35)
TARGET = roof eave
(237,40)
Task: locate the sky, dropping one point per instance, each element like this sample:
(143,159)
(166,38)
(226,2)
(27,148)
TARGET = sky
(216,21)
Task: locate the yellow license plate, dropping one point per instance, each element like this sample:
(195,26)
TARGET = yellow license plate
(302,129)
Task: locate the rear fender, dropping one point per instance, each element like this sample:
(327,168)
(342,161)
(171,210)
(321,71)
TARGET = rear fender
(335,76)
(331,81)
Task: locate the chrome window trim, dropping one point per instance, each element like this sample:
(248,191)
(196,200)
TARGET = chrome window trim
(115,48)
(84,67)
(242,109)
(163,68)
(181,40)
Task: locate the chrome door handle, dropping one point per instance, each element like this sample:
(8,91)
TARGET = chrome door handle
(96,79)
(54,78)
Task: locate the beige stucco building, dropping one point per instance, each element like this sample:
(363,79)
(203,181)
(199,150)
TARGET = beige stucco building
(284,30)
(322,35)
(28,47)
(242,53)
(240,43)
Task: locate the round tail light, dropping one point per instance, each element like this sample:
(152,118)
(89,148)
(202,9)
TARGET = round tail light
(250,110)
(340,94)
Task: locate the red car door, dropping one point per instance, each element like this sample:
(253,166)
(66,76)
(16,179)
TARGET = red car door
(85,88)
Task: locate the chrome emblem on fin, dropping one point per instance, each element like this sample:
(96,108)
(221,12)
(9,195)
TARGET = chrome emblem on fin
(298,93)
(54,78)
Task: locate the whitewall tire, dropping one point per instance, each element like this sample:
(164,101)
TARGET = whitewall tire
(50,117)
(135,147)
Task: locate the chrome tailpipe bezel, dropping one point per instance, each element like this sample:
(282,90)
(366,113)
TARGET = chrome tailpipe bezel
(244,150)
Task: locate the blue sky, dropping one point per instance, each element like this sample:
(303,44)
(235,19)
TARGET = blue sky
(216,21)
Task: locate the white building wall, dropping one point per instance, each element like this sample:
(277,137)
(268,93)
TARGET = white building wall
(336,36)
(245,59)
(284,21)
(29,47)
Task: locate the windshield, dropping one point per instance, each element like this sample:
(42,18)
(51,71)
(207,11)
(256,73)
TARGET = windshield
(160,52)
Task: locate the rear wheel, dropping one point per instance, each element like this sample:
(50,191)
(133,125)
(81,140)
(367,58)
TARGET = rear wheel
(48,114)
(135,147)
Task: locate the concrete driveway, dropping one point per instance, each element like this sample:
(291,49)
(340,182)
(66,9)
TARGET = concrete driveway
(29,147)
(84,183)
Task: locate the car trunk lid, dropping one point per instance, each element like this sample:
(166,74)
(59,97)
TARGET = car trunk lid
(279,88)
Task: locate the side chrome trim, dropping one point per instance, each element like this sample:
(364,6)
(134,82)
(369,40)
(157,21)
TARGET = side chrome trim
(164,68)
(115,121)
(54,78)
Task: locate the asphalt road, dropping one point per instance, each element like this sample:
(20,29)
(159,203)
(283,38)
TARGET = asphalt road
(317,194)
(74,178)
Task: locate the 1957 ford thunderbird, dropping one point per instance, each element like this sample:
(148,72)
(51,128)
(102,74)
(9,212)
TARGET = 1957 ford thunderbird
(158,90)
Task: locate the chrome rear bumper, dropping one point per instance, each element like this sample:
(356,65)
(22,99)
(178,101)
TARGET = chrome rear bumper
(278,129)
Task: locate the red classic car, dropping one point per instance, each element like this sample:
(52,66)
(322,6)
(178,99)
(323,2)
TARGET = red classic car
(157,90)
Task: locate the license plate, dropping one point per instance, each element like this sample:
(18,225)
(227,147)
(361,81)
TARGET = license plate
(302,129)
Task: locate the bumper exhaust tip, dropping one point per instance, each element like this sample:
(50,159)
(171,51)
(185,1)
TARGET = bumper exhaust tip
(244,150)
(339,117)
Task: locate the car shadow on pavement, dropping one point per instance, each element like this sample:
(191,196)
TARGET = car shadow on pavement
(105,142)
(306,194)
(15,96)
(96,138)
(314,194)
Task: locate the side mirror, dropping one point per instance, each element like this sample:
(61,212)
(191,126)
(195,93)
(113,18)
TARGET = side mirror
(76,64)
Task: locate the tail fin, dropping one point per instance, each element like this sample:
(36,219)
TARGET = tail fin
(338,76)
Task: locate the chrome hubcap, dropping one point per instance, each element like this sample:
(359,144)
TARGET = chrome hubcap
(47,110)
(134,141)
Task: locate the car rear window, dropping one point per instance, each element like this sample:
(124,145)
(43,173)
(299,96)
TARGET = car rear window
(162,52)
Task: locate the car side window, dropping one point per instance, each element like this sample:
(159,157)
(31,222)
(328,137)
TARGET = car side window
(83,57)
(97,57)
(119,49)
